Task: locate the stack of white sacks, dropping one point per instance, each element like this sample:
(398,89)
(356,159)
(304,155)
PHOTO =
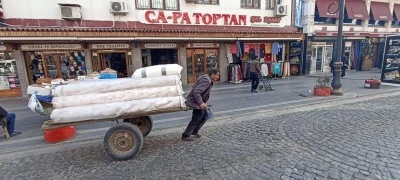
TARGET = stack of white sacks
(151,89)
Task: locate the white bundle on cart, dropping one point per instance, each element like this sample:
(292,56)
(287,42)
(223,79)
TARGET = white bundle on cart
(114,98)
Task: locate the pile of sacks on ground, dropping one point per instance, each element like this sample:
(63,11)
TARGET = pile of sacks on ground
(150,89)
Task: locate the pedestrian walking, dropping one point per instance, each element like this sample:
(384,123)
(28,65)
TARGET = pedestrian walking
(10,119)
(197,99)
(254,74)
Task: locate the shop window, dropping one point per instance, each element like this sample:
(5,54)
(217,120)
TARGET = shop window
(213,2)
(348,21)
(164,56)
(270,4)
(8,72)
(322,20)
(373,22)
(65,65)
(158,4)
(395,21)
(376,23)
(250,4)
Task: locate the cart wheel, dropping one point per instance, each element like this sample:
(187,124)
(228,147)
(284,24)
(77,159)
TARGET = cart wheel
(145,124)
(123,141)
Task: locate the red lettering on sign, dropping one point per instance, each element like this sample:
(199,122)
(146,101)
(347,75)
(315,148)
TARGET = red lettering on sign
(272,19)
(186,18)
(147,16)
(234,21)
(226,18)
(255,19)
(175,16)
(242,19)
(161,17)
(207,18)
(216,17)
(197,16)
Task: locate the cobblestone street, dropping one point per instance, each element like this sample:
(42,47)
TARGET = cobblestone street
(353,141)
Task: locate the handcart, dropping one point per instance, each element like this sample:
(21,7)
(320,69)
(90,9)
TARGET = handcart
(124,140)
(266,85)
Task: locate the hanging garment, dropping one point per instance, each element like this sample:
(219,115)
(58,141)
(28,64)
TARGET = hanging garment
(268,48)
(239,51)
(235,74)
(286,69)
(257,50)
(241,48)
(264,69)
(234,49)
(245,57)
(246,48)
(276,48)
(277,68)
(281,68)
(229,53)
(262,50)
(268,57)
(251,46)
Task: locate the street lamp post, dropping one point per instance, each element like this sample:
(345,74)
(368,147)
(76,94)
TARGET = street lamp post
(337,65)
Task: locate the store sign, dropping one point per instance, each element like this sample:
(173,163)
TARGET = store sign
(3,48)
(110,46)
(50,47)
(391,60)
(159,46)
(194,18)
(266,19)
(203,45)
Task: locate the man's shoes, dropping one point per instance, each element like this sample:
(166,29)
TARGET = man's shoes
(15,134)
(254,91)
(188,139)
(196,135)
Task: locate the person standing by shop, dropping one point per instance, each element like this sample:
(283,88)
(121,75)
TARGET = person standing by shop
(254,74)
(197,99)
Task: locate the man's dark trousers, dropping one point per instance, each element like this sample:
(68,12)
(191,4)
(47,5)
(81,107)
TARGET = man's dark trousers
(254,80)
(198,120)
(10,122)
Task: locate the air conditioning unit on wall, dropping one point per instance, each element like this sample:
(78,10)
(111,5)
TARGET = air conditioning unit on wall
(280,10)
(70,11)
(119,7)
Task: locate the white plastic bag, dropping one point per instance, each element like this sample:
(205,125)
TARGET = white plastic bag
(35,105)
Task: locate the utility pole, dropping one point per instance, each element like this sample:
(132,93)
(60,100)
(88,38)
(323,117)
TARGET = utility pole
(337,65)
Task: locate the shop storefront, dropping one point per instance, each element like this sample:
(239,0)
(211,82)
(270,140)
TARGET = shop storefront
(66,61)
(201,57)
(114,56)
(9,81)
(159,53)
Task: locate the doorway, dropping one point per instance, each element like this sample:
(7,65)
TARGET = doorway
(321,57)
(199,62)
(116,61)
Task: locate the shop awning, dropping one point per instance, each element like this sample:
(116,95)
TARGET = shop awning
(396,10)
(356,9)
(381,11)
(326,7)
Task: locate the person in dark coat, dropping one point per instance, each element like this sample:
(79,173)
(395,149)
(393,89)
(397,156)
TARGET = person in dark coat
(197,99)
(344,67)
(10,118)
(254,74)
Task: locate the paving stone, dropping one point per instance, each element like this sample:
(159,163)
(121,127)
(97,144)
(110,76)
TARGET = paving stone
(360,142)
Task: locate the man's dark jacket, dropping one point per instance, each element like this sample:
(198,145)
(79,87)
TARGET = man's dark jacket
(3,113)
(200,92)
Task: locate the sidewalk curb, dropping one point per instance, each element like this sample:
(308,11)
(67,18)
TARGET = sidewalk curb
(82,141)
